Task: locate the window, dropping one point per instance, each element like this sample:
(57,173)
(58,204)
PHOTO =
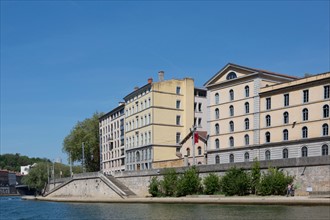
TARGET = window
(285,135)
(247,139)
(231,158)
(231,110)
(246,157)
(178,90)
(199,150)
(305,96)
(286,100)
(217,128)
(178,103)
(231,126)
(178,118)
(199,107)
(304,152)
(267,155)
(188,151)
(217,159)
(247,124)
(286,117)
(216,98)
(305,114)
(325,111)
(285,153)
(178,137)
(199,122)
(326,92)
(195,106)
(247,108)
(268,103)
(247,91)
(217,115)
(231,142)
(231,75)
(325,129)
(231,95)
(217,143)
(268,120)
(267,137)
(304,132)
(325,150)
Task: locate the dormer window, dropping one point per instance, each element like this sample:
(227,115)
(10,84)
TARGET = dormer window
(231,75)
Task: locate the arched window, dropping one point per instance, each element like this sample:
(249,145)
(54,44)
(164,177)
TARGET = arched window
(231,126)
(325,111)
(217,159)
(231,110)
(247,139)
(247,91)
(247,108)
(304,152)
(217,128)
(305,114)
(267,155)
(199,149)
(285,153)
(231,75)
(188,151)
(325,150)
(304,132)
(231,142)
(217,143)
(247,124)
(268,120)
(246,157)
(286,117)
(231,158)
(231,95)
(267,137)
(285,135)
(217,114)
(216,98)
(325,129)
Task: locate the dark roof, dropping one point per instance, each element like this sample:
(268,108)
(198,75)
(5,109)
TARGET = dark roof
(118,108)
(201,134)
(137,91)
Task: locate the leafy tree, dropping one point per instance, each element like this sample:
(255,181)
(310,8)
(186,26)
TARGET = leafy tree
(274,182)
(86,132)
(255,176)
(235,182)
(211,184)
(169,183)
(154,187)
(37,177)
(189,183)
(13,162)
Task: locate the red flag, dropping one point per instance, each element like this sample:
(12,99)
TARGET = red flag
(195,137)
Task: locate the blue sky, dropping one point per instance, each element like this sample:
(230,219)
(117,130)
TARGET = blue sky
(61,61)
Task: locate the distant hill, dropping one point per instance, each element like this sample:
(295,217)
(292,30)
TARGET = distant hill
(13,162)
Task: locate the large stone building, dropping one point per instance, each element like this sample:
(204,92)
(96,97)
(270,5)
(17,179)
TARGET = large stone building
(157,115)
(246,113)
(112,145)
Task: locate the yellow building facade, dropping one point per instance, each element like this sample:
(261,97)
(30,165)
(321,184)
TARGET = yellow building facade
(157,116)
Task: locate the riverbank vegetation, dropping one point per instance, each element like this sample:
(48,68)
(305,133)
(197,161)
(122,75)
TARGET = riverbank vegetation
(13,162)
(234,182)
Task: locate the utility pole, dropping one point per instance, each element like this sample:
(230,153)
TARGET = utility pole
(54,172)
(48,172)
(70,161)
(193,144)
(83,157)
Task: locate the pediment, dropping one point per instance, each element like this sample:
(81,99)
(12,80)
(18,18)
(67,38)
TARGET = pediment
(229,72)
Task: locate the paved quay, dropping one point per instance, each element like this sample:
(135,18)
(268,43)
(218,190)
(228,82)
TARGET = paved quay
(239,200)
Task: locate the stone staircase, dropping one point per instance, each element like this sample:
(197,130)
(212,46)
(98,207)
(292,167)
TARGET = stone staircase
(121,186)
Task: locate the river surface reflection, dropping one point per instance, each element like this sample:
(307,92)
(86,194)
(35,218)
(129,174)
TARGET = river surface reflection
(15,208)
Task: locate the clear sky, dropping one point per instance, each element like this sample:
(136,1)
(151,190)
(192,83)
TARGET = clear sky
(61,61)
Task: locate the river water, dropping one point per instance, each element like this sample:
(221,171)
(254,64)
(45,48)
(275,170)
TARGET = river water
(16,208)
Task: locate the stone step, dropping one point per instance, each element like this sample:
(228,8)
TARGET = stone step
(121,186)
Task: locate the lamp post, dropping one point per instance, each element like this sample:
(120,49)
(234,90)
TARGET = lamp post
(83,157)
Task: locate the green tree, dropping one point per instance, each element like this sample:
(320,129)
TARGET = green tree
(255,176)
(86,132)
(169,183)
(37,177)
(235,182)
(189,183)
(211,184)
(154,187)
(13,162)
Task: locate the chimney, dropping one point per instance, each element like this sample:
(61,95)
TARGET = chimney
(149,80)
(136,88)
(161,76)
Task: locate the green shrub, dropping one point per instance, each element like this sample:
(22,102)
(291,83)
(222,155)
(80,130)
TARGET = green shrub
(274,182)
(255,176)
(211,184)
(169,184)
(235,182)
(189,183)
(154,187)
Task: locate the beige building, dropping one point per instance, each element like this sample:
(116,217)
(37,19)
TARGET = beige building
(157,116)
(112,146)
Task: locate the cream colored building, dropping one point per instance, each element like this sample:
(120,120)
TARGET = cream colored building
(112,145)
(157,116)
